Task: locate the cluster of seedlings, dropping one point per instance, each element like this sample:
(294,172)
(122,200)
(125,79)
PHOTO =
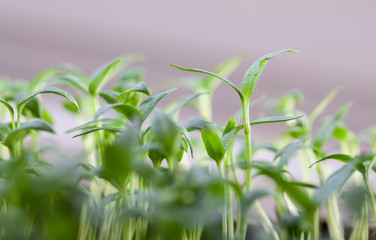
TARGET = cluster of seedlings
(131,182)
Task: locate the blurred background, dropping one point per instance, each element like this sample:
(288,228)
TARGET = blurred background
(335,39)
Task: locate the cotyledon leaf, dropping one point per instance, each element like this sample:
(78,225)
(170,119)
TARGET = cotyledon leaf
(74,79)
(185,102)
(228,133)
(104,128)
(254,72)
(126,110)
(323,104)
(345,159)
(93,123)
(109,96)
(103,76)
(53,90)
(188,139)
(139,87)
(214,75)
(334,183)
(327,129)
(34,124)
(166,131)
(272,119)
(147,106)
(10,109)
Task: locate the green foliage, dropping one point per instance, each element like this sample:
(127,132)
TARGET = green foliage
(120,188)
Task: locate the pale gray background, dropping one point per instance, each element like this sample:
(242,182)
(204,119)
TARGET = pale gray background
(335,39)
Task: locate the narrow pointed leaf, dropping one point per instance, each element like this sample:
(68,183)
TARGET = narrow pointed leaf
(76,80)
(213,144)
(185,102)
(323,104)
(4,131)
(345,159)
(93,123)
(214,75)
(147,106)
(126,110)
(139,87)
(53,90)
(228,133)
(286,152)
(196,124)
(166,132)
(341,157)
(188,139)
(224,69)
(9,107)
(274,119)
(34,124)
(104,128)
(109,96)
(103,76)
(249,198)
(39,80)
(334,183)
(254,72)
(327,129)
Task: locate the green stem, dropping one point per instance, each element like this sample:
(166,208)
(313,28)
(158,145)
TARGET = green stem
(224,208)
(229,200)
(244,220)
(247,133)
(205,106)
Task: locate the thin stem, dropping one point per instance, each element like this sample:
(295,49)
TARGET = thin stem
(229,201)
(247,133)
(224,207)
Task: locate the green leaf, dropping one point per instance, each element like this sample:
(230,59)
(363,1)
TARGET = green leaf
(345,159)
(228,134)
(104,128)
(166,132)
(109,96)
(323,104)
(274,119)
(34,124)
(43,76)
(196,124)
(139,87)
(119,158)
(250,197)
(224,69)
(4,131)
(188,139)
(213,144)
(334,182)
(147,106)
(103,76)
(94,122)
(214,75)
(327,129)
(53,90)
(126,110)
(76,80)
(286,152)
(9,107)
(254,72)
(185,102)
(292,189)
